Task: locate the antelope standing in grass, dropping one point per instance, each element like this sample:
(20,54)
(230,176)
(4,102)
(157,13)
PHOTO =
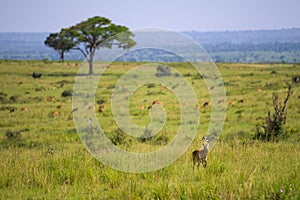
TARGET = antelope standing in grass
(200,156)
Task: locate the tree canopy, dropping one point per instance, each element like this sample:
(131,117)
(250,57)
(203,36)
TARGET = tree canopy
(90,35)
(99,32)
(61,42)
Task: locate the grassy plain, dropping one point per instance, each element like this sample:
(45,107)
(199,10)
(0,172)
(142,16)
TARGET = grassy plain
(42,157)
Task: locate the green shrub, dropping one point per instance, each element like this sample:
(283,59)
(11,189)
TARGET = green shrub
(3,99)
(13,135)
(10,108)
(101,101)
(163,71)
(274,129)
(151,85)
(161,140)
(146,136)
(118,137)
(67,93)
(14,99)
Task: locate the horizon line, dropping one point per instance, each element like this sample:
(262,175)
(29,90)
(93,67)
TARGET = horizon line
(199,31)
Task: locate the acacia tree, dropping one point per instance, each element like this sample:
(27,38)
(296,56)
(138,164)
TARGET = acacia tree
(61,42)
(98,32)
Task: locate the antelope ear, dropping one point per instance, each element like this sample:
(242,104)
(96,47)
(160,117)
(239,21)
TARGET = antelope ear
(203,139)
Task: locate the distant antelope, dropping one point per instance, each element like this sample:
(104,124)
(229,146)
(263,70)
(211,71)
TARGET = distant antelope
(157,102)
(54,113)
(101,109)
(200,156)
(206,104)
(221,101)
(74,110)
(231,103)
(24,109)
(59,106)
(197,107)
(52,99)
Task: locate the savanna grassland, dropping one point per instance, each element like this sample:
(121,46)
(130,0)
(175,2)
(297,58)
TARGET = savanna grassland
(42,157)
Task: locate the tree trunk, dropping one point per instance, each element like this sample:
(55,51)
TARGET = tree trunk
(91,71)
(62,56)
(91,58)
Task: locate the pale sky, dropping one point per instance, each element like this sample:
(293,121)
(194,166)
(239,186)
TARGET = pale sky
(180,15)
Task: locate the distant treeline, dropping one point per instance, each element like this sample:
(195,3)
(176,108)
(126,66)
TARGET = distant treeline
(248,47)
(229,46)
(239,37)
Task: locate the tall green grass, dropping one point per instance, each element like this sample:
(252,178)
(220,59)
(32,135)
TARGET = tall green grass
(47,160)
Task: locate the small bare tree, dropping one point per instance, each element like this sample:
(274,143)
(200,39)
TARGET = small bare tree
(274,126)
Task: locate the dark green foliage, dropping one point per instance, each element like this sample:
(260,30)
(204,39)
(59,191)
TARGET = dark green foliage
(162,71)
(14,139)
(10,108)
(118,137)
(67,93)
(161,140)
(273,72)
(296,79)
(151,85)
(13,135)
(101,101)
(187,74)
(98,32)
(72,131)
(178,75)
(36,75)
(3,94)
(14,98)
(61,42)
(274,128)
(3,99)
(46,61)
(110,87)
(146,136)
